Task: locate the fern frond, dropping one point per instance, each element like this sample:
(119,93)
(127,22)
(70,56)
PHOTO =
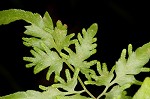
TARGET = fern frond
(42,32)
(70,84)
(54,38)
(126,69)
(104,78)
(133,65)
(85,47)
(49,42)
(61,38)
(43,59)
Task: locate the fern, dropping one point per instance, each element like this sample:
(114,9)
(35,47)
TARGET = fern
(51,49)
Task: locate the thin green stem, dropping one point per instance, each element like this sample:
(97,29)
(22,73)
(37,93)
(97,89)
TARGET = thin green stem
(80,81)
(82,84)
(103,92)
(106,88)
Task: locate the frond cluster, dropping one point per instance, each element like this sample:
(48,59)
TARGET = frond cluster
(47,43)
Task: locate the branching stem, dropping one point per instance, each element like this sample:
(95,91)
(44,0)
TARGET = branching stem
(80,81)
(106,88)
(82,84)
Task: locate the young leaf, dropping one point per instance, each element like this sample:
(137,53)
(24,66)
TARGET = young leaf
(11,15)
(47,43)
(105,76)
(43,59)
(39,35)
(127,68)
(49,93)
(42,32)
(70,84)
(60,36)
(36,42)
(85,47)
(138,59)
(47,21)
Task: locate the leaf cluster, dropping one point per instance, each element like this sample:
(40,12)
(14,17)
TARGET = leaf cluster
(50,49)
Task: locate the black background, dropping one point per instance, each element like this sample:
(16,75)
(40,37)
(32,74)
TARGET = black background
(120,22)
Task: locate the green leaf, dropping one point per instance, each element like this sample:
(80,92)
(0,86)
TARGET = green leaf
(43,59)
(49,93)
(117,92)
(60,36)
(104,78)
(85,47)
(48,23)
(11,15)
(144,91)
(41,28)
(138,59)
(39,36)
(23,95)
(48,43)
(43,33)
(70,84)
(54,38)
(36,42)
(134,64)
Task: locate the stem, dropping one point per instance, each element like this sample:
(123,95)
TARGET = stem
(103,92)
(80,81)
(113,82)
(82,84)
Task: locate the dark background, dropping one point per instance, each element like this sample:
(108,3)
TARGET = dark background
(120,22)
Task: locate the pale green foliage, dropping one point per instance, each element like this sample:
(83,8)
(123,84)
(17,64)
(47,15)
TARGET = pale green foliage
(144,91)
(50,48)
(125,69)
(133,65)
(105,76)
(70,84)
(49,93)
(44,59)
(85,47)
(31,94)
(52,38)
